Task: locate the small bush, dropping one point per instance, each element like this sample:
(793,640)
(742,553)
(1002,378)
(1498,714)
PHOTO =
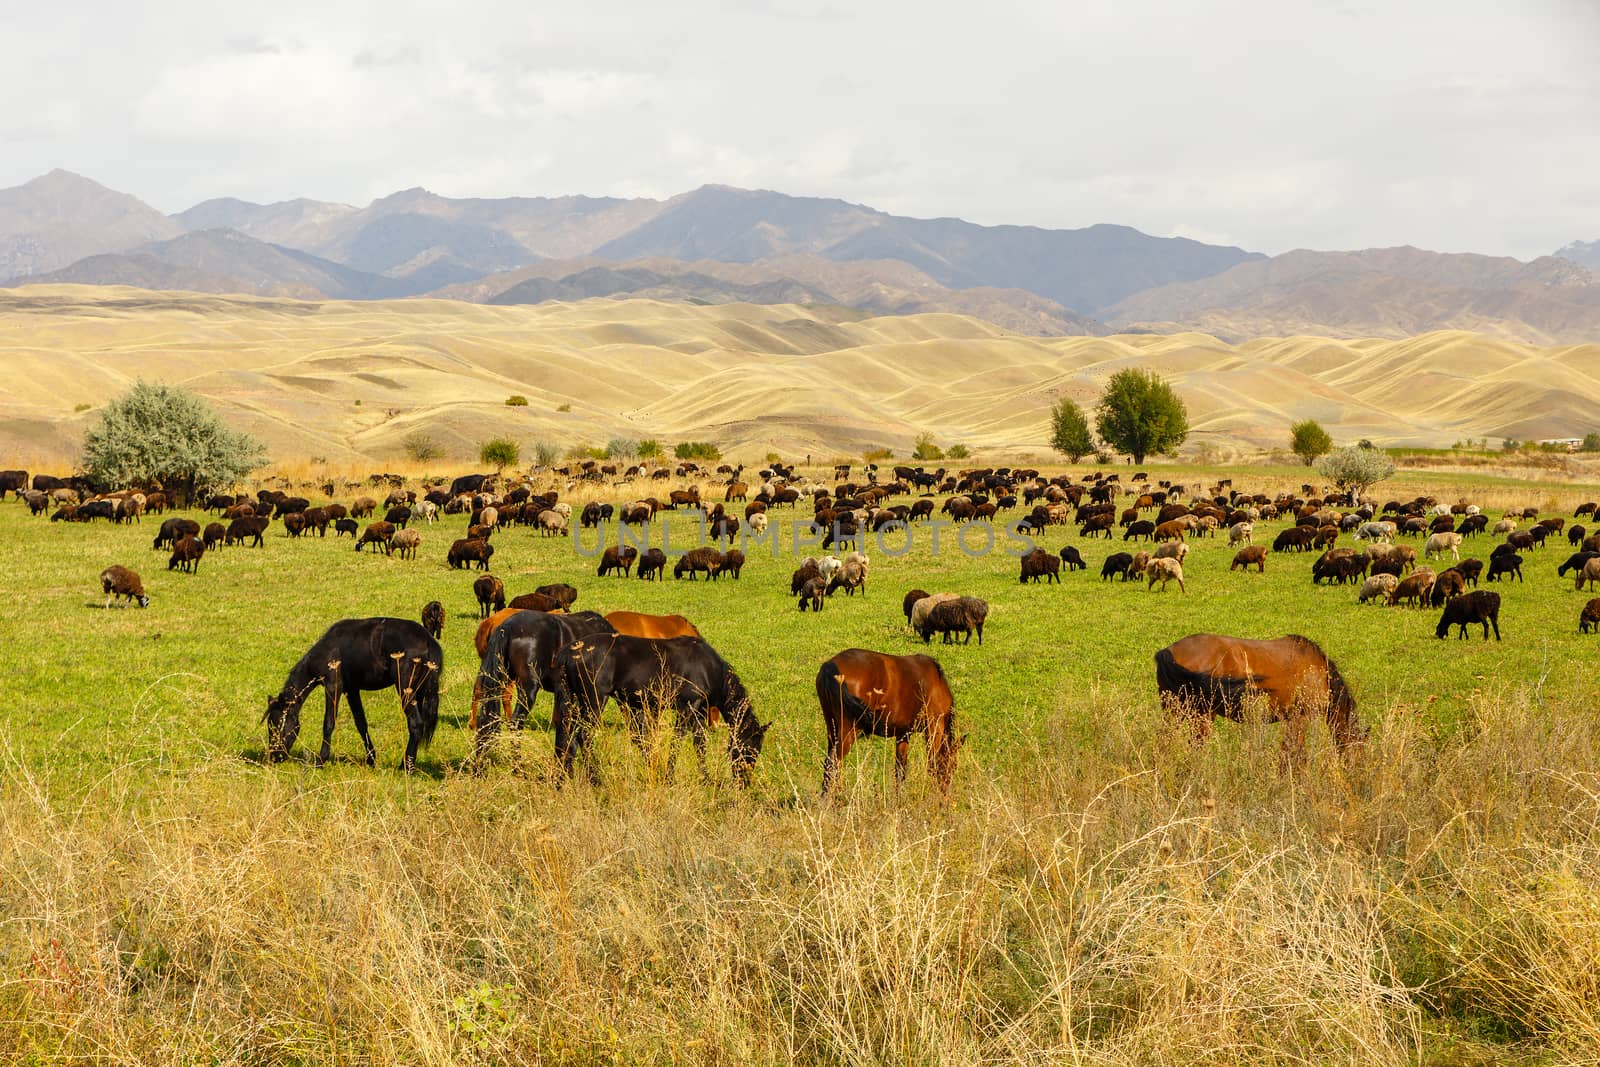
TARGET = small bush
(1591,443)
(873,455)
(621,448)
(957,452)
(649,448)
(703,450)
(564,407)
(773,457)
(926,448)
(546,453)
(500,452)
(81,407)
(421,447)
(582,452)
(516,400)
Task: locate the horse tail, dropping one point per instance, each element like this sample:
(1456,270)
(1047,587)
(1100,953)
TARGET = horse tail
(1202,689)
(830,679)
(493,672)
(1342,718)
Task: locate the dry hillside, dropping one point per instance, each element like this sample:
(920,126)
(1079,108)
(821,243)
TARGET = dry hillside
(353,379)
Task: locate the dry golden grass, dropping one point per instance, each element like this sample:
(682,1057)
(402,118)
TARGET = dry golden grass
(351,381)
(1113,897)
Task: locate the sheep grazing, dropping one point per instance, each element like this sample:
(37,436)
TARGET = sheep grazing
(1164,571)
(378,533)
(1240,533)
(1074,562)
(1508,563)
(1440,543)
(1379,587)
(813,593)
(119,583)
(617,558)
(1589,619)
(1448,585)
(910,601)
(433,619)
(469,553)
(653,564)
(186,555)
(1115,564)
(562,593)
(1415,589)
(925,604)
(1176,550)
(1590,573)
(850,577)
(552,523)
(491,594)
(1480,607)
(703,560)
(1040,564)
(1248,556)
(406,542)
(957,615)
(534,602)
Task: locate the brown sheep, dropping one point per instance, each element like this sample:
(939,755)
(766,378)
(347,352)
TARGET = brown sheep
(186,555)
(1250,555)
(1589,618)
(813,593)
(562,593)
(1415,589)
(653,565)
(468,552)
(118,582)
(910,600)
(1040,564)
(491,594)
(378,533)
(433,619)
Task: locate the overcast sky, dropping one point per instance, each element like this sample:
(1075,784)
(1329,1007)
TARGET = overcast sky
(1456,125)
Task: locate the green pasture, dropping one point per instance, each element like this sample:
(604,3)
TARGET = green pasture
(186,680)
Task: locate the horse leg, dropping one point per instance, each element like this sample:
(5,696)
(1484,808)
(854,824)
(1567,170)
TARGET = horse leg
(359,714)
(902,752)
(330,691)
(841,735)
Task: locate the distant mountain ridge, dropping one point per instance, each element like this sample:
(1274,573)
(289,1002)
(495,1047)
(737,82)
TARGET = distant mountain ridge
(720,244)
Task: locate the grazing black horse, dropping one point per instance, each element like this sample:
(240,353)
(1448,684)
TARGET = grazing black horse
(646,673)
(522,652)
(353,656)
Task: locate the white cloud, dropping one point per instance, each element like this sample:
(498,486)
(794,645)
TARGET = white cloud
(1451,124)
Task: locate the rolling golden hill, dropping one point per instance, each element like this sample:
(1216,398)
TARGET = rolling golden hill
(351,380)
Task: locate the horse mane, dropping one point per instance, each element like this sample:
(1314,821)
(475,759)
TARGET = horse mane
(301,681)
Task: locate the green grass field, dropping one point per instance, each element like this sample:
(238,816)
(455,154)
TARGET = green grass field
(449,917)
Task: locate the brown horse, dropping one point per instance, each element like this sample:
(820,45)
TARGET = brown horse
(1207,675)
(872,693)
(636,624)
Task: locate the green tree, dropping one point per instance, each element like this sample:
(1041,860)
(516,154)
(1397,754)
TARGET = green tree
(1139,414)
(1309,440)
(1591,443)
(500,453)
(516,400)
(926,448)
(1069,430)
(957,452)
(649,448)
(165,435)
(1355,468)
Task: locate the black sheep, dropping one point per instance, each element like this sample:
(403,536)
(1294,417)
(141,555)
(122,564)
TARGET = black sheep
(1480,607)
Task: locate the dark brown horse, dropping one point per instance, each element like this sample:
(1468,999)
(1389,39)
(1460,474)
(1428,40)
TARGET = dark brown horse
(637,624)
(356,656)
(1207,675)
(879,695)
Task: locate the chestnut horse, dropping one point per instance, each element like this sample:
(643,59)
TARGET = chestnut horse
(1207,675)
(879,695)
(635,624)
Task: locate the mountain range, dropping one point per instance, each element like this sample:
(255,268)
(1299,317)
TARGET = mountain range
(718,244)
